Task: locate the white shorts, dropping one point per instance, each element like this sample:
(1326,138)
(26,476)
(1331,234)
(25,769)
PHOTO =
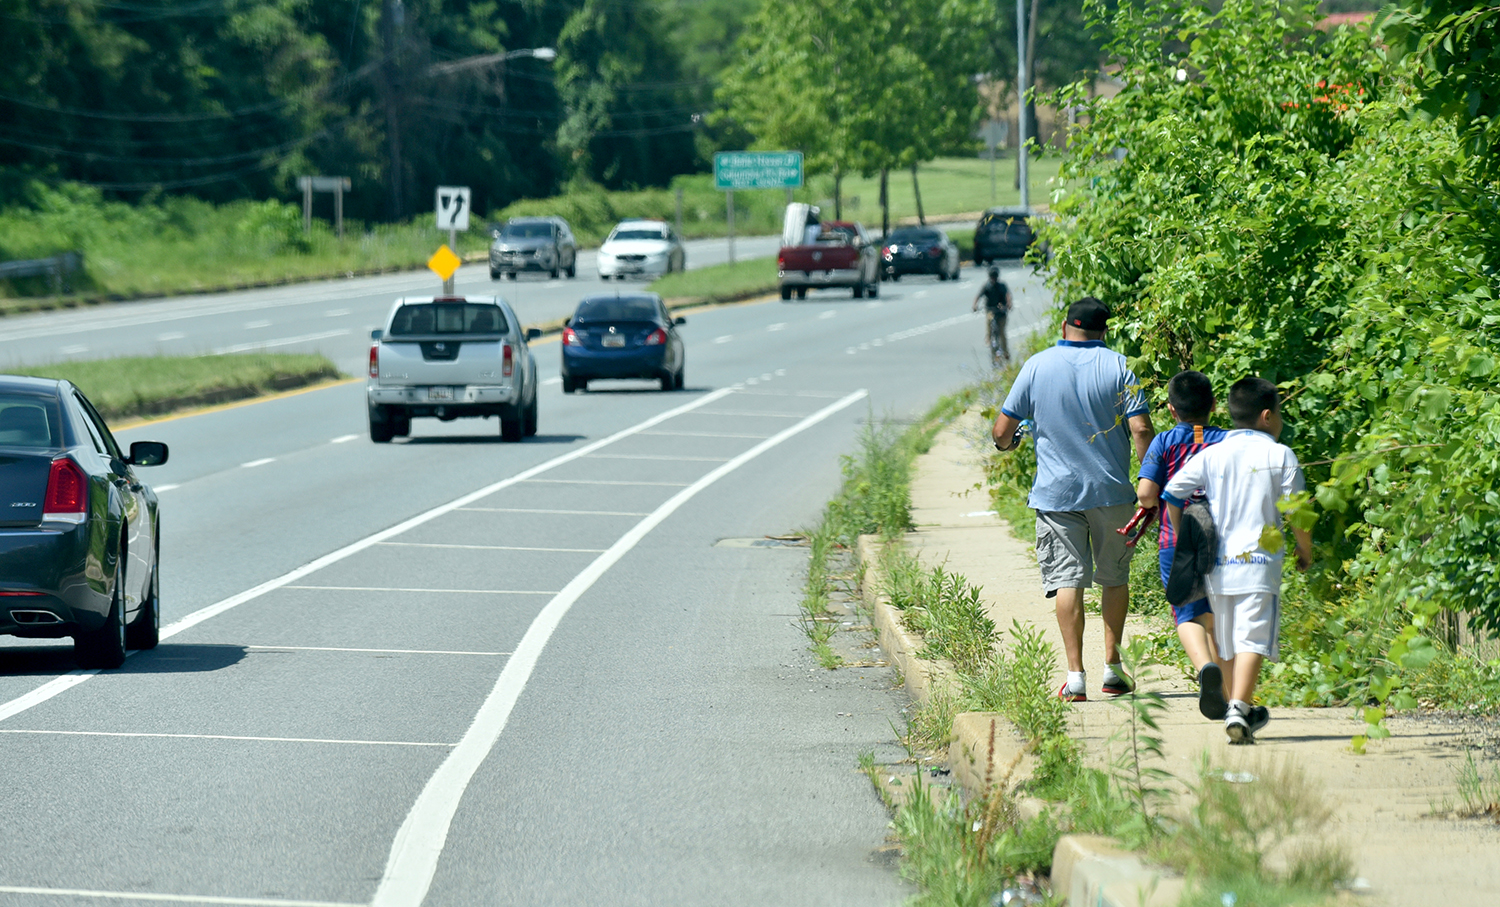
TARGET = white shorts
(1248,622)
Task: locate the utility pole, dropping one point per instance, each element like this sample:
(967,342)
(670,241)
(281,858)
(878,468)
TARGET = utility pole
(1021,102)
(392,18)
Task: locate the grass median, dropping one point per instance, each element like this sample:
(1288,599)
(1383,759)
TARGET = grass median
(719,283)
(130,387)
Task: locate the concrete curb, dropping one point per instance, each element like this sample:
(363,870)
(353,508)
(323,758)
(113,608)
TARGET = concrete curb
(1092,871)
(900,644)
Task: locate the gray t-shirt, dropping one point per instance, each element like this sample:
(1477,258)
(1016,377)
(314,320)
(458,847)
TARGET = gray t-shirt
(1079,393)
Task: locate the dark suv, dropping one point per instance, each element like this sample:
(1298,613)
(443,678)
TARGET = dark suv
(1003,233)
(533,244)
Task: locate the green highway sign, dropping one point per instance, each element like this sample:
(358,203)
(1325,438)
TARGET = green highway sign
(757,170)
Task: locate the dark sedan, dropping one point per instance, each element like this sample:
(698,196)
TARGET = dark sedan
(622,337)
(919,250)
(79,542)
(1003,234)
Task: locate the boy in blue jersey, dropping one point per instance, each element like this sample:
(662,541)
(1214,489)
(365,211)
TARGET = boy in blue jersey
(1190,400)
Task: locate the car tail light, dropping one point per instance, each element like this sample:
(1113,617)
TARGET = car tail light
(570,338)
(781,261)
(656,337)
(508,359)
(374,360)
(935,251)
(67,492)
(20,594)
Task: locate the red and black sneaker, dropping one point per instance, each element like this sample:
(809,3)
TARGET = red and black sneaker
(1067,695)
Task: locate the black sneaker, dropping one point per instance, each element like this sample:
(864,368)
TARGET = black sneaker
(1237,726)
(1259,717)
(1211,701)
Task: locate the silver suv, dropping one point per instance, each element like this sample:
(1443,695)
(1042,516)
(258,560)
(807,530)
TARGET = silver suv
(450,357)
(533,244)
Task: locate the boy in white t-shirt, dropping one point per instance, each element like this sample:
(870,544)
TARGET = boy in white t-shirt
(1243,476)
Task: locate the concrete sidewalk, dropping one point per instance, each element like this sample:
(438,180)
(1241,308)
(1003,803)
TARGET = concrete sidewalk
(1382,801)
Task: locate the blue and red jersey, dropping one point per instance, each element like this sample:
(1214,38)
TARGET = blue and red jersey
(1168,451)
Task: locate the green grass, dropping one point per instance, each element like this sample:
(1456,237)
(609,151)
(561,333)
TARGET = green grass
(719,283)
(953,185)
(127,387)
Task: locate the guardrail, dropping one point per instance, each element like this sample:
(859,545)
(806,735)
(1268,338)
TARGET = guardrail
(60,267)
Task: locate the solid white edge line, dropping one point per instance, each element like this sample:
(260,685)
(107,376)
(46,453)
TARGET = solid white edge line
(73,678)
(419,843)
(170,898)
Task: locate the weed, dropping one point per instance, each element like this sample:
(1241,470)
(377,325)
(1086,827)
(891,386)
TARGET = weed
(943,608)
(1477,795)
(1145,785)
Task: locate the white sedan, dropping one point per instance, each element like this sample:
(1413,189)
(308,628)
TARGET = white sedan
(641,248)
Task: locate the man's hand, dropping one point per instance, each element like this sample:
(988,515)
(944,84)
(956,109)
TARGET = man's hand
(1304,549)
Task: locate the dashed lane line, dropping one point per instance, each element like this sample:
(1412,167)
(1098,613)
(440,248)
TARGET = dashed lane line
(344,439)
(261,462)
(73,678)
(51,733)
(420,841)
(160,897)
(283,341)
(375,651)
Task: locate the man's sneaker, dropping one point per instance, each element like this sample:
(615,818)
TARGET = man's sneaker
(1211,701)
(1116,684)
(1237,726)
(1067,695)
(1259,717)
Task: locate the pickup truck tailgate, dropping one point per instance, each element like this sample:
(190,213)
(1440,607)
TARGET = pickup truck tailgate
(454,362)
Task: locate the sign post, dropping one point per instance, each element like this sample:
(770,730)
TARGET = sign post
(338,185)
(754,170)
(453,216)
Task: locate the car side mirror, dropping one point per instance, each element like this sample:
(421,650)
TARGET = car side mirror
(377,334)
(533,333)
(567,321)
(679,320)
(148,453)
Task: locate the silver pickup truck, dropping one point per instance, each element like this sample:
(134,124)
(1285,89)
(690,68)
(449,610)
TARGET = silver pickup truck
(450,357)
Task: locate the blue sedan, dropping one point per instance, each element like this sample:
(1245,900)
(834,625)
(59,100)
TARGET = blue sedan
(622,337)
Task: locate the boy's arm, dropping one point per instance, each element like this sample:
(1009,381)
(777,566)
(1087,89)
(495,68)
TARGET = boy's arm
(1304,548)
(1175,513)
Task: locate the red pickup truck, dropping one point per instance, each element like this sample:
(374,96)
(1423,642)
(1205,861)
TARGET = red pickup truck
(830,253)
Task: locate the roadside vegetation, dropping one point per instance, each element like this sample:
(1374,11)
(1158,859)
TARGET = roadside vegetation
(137,386)
(719,283)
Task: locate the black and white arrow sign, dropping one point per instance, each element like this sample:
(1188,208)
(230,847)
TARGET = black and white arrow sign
(453,207)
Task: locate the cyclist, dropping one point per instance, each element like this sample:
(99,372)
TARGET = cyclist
(997,305)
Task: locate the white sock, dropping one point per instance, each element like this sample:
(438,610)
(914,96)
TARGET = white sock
(1239,706)
(1116,671)
(1077,681)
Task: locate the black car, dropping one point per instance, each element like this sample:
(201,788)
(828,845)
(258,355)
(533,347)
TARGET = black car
(79,541)
(918,250)
(622,337)
(1002,234)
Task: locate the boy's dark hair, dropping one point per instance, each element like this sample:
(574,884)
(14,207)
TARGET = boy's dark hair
(1248,398)
(1192,395)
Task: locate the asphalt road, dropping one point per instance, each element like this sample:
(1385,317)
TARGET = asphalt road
(332,316)
(454,671)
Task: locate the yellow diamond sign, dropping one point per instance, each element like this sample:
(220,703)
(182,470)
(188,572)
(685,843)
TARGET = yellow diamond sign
(443,262)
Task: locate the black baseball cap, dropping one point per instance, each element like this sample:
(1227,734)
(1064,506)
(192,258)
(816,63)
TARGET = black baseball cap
(1088,314)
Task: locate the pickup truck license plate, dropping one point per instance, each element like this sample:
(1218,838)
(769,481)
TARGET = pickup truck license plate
(613,340)
(440,393)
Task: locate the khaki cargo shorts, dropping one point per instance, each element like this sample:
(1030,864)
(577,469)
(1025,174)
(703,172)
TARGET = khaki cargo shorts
(1077,548)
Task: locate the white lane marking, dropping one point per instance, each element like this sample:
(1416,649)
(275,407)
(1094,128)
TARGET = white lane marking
(261,462)
(851,351)
(335,313)
(169,898)
(419,842)
(609,482)
(567,512)
(671,459)
(766,377)
(160,488)
(781,372)
(284,341)
(933,326)
(877,342)
(828,314)
(252,325)
(752,381)
(425,591)
(73,350)
(724,339)
(73,678)
(778,326)
(738,412)
(377,651)
(486,547)
(919,294)
(342,439)
(170,335)
(557,380)
(700,434)
(223,737)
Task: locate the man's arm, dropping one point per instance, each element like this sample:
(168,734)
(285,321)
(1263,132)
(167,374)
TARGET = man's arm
(1304,548)
(1004,431)
(1142,431)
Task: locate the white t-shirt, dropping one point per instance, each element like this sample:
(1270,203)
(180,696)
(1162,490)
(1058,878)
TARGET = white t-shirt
(1243,476)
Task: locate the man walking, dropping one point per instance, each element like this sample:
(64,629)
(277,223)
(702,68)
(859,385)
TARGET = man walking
(1087,408)
(997,305)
